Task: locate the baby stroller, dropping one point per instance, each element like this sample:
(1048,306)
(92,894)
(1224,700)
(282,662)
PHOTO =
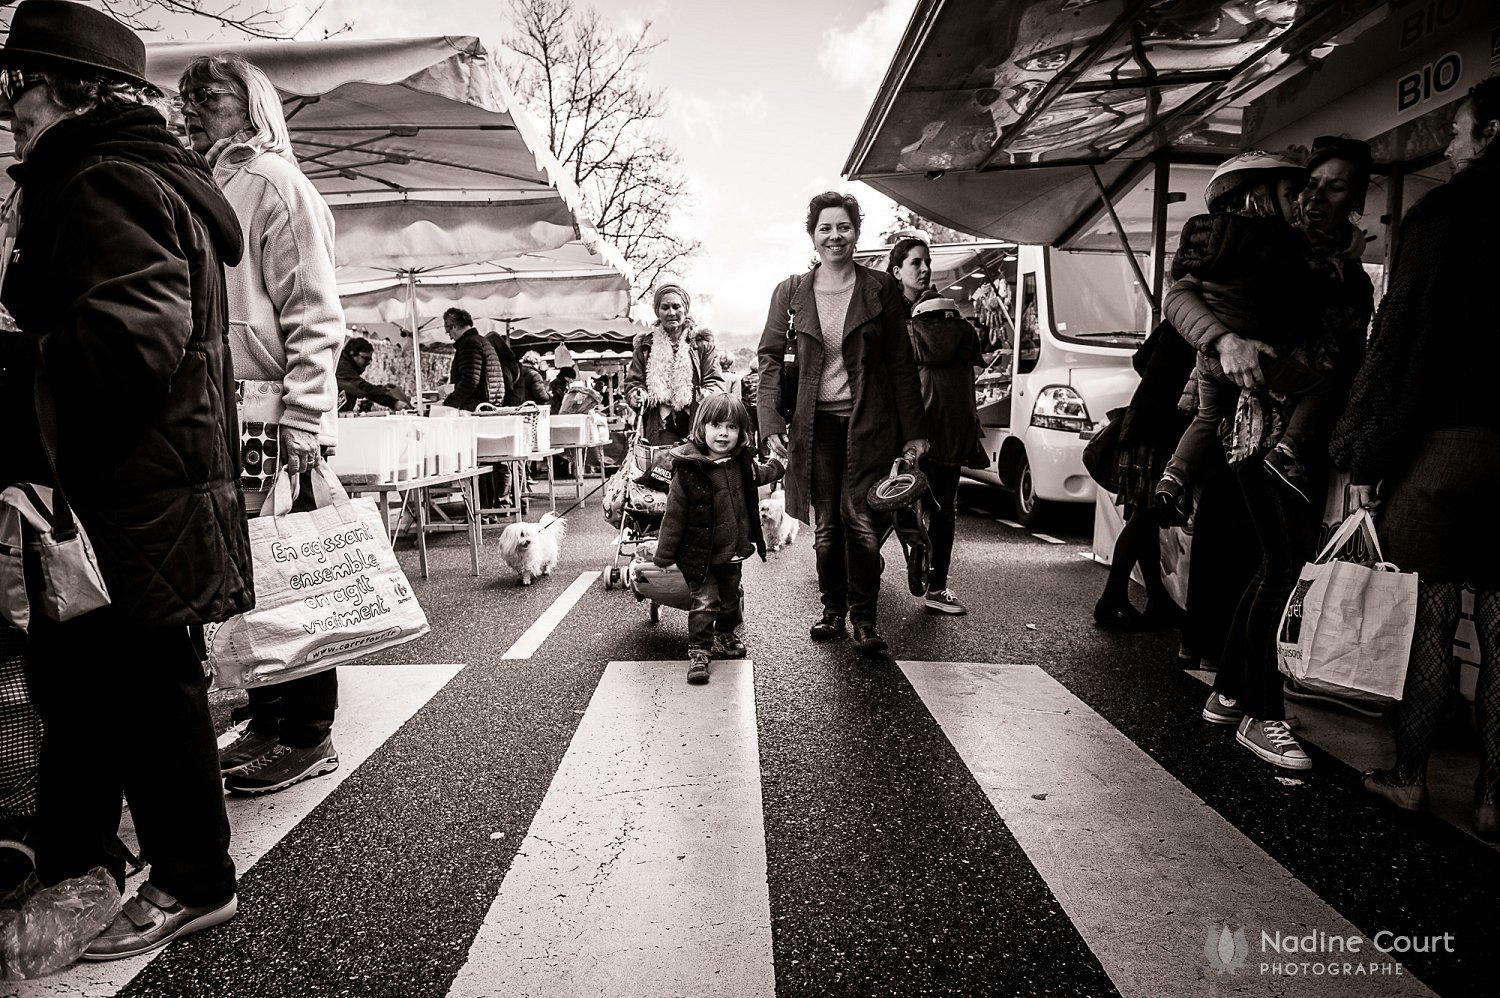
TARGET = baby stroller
(635,498)
(651,582)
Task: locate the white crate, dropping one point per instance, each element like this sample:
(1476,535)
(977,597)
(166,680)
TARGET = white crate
(579,429)
(376,449)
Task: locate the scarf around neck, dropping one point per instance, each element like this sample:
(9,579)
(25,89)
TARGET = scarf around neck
(669,370)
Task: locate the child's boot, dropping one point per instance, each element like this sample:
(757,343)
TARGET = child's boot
(728,645)
(698,666)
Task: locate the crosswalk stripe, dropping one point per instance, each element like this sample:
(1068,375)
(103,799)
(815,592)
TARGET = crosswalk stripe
(644,871)
(527,644)
(1011,523)
(1142,866)
(374,701)
(1048,538)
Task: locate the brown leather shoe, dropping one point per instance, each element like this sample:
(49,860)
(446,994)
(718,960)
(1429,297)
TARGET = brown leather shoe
(1406,796)
(152,919)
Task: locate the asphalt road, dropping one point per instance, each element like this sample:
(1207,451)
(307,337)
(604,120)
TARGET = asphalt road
(1053,820)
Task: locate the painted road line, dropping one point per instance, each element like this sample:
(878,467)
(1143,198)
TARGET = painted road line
(527,644)
(1010,523)
(1048,538)
(644,871)
(1140,864)
(374,702)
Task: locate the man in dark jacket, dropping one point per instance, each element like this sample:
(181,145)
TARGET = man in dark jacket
(117,285)
(352,384)
(476,374)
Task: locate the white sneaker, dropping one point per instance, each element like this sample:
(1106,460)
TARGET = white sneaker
(1273,742)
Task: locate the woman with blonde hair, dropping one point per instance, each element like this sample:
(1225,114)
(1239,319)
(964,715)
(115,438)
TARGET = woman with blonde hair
(286,328)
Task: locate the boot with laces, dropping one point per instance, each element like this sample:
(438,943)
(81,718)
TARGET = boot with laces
(697,666)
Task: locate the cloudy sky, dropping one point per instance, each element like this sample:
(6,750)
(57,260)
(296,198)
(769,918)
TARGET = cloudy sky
(765,97)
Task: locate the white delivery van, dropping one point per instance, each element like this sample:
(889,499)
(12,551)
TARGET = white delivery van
(1080,316)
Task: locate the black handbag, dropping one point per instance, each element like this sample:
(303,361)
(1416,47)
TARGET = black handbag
(1101,455)
(786,405)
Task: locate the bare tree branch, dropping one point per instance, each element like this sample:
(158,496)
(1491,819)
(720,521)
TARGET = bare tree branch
(586,80)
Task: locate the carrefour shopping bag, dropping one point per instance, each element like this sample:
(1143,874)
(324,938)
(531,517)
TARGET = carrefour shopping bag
(1347,626)
(328,590)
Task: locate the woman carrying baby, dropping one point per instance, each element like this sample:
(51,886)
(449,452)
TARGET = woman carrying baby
(711,525)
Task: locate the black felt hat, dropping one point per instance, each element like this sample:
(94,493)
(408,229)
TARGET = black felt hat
(47,34)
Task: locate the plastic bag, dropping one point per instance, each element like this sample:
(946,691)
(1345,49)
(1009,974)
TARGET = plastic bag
(53,926)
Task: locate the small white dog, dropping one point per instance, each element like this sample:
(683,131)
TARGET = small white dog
(780,529)
(532,549)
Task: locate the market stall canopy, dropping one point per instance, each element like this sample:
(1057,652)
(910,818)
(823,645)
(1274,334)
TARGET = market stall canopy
(416,143)
(570,280)
(1006,118)
(580,333)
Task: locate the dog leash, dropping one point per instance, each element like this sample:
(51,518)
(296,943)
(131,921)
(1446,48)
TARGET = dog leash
(602,482)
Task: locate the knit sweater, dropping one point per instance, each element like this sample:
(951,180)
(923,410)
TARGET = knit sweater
(1436,343)
(285,320)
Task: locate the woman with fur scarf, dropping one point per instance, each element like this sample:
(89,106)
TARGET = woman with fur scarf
(671,368)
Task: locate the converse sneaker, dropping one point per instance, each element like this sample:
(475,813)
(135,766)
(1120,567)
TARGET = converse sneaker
(1273,742)
(943,601)
(1222,710)
(698,666)
(281,767)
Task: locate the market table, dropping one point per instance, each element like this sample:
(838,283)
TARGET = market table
(468,484)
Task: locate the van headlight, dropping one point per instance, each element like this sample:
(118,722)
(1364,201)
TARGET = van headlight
(1059,407)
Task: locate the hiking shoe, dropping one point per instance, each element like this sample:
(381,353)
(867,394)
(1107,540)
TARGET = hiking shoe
(829,627)
(943,601)
(281,767)
(152,919)
(1306,694)
(1283,464)
(1406,796)
(698,666)
(1273,742)
(1173,502)
(868,640)
(246,748)
(916,569)
(1222,710)
(728,646)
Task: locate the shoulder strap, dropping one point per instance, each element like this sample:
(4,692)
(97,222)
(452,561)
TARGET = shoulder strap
(63,527)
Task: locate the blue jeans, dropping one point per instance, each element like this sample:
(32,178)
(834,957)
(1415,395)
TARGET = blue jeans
(716,604)
(846,541)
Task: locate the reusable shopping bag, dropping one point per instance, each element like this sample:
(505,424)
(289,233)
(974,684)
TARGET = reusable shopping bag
(328,590)
(1349,626)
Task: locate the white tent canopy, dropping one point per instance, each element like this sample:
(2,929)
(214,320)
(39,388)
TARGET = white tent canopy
(416,143)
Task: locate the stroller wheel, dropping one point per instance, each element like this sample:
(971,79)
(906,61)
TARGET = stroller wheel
(655,613)
(609,578)
(614,577)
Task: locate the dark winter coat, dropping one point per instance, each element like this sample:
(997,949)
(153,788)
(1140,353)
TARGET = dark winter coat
(882,376)
(1435,345)
(476,373)
(117,278)
(946,351)
(508,363)
(531,386)
(688,531)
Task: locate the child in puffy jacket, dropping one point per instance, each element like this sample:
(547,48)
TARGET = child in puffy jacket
(712,525)
(1251,270)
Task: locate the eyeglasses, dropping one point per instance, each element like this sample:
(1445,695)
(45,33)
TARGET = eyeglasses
(14,82)
(198,96)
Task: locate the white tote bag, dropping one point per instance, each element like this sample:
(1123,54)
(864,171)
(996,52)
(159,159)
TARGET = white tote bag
(328,590)
(1349,626)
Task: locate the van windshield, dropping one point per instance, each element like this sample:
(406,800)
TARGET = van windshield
(1097,299)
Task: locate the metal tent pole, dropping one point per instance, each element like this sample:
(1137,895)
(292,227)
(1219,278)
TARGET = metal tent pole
(416,350)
